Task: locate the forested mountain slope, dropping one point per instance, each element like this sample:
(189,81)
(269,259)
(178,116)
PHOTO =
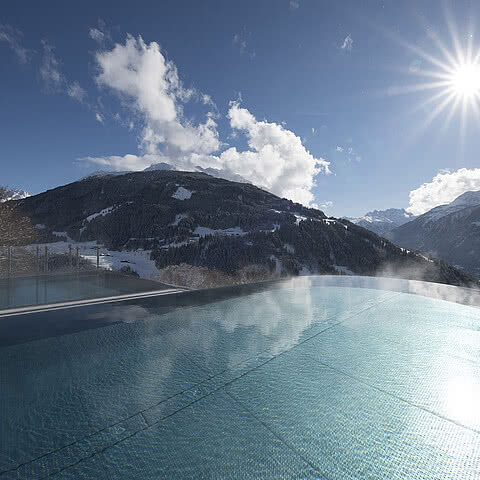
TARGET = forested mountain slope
(237,229)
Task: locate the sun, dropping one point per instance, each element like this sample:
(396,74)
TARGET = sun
(447,83)
(465,81)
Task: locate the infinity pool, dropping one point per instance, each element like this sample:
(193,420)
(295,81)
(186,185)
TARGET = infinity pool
(315,377)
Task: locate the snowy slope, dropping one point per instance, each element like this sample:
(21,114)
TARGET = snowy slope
(464,201)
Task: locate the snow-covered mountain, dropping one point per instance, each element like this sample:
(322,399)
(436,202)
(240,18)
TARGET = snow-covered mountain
(382,221)
(12,194)
(227,231)
(159,166)
(450,232)
(214,172)
(461,203)
(104,173)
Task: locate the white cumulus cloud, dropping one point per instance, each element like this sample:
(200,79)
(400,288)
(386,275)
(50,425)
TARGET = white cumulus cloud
(445,187)
(275,159)
(149,84)
(339,149)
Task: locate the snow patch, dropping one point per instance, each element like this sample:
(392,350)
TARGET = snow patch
(138,260)
(174,245)
(332,221)
(299,218)
(425,258)
(229,232)
(329,221)
(64,234)
(182,194)
(102,213)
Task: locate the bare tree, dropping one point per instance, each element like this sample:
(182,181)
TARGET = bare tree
(15,228)
(3,193)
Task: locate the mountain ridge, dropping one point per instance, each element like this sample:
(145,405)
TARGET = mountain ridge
(204,222)
(450,232)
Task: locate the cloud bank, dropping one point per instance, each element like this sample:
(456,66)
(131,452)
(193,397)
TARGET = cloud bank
(445,187)
(149,85)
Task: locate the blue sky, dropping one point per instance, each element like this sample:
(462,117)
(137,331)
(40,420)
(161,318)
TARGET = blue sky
(291,85)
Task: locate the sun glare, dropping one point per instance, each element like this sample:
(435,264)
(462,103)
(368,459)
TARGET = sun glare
(466,80)
(451,72)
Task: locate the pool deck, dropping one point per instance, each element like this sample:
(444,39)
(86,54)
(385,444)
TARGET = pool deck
(31,291)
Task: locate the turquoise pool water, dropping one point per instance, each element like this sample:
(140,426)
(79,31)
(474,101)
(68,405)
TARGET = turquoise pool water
(297,380)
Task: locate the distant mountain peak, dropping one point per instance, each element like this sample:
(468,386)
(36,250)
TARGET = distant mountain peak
(13,194)
(382,221)
(159,166)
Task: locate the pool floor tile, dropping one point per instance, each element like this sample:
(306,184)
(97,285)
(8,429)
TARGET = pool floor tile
(349,430)
(212,438)
(396,347)
(92,468)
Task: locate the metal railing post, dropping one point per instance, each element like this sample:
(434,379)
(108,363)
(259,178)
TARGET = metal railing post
(70,263)
(9,260)
(78,263)
(98,258)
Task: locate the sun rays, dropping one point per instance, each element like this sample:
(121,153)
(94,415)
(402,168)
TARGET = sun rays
(446,78)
